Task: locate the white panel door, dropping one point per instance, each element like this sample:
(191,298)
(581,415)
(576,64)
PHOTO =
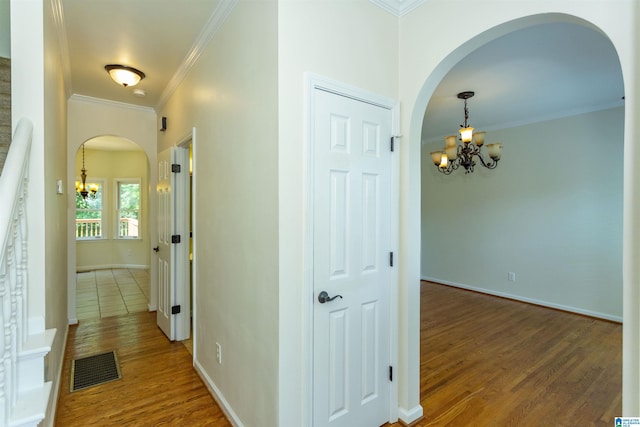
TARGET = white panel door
(166,203)
(352,226)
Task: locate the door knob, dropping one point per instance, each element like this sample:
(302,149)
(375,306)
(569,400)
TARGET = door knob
(324,297)
(156,249)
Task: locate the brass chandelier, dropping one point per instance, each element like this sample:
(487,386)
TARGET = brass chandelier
(84,189)
(455,155)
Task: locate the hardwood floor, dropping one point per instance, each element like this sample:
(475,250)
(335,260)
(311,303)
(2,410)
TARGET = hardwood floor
(159,386)
(484,361)
(487,361)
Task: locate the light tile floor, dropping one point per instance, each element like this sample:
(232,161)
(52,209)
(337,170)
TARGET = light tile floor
(114,292)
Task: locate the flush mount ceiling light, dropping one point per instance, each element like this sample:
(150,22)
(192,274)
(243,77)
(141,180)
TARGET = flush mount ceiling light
(455,154)
(123,75)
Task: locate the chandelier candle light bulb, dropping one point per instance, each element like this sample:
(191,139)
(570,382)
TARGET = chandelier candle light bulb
(455,155)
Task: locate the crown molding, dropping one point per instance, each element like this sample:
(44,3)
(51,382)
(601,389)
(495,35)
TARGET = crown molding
(398,7)
(542,118)
(109,103)
(63,44)
(215,22)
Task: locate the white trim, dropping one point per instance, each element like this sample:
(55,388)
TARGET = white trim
(395,248)
(315,82)
(63,44)
(104,211)
(398,7)
(116,199)
(92,239)
(408,416)
(540,119)
(534,301)
(213,25)
(81,268)
(181,254)
(53,403)
(194,234)
(109,103)
(217,395)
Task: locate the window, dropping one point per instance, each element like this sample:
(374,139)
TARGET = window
(89,213)
(128,208)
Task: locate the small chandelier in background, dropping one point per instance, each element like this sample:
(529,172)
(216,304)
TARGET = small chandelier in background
(455,155)
(84,189)
(123,75)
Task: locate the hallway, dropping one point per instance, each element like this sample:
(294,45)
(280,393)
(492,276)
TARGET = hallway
(158,387)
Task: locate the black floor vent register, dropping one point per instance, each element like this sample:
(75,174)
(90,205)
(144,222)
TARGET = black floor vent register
(94,370)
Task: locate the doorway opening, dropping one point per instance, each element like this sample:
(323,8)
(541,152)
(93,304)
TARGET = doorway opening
(515,219)
(111,228)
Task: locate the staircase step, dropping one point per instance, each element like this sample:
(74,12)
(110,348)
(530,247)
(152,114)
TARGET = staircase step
(31,407)
(31,359)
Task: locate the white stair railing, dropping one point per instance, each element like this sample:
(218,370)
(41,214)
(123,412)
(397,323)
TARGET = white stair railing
(20,353)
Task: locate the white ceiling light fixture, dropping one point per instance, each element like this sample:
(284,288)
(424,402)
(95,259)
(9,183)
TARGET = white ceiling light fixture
(455,154)
(124,75)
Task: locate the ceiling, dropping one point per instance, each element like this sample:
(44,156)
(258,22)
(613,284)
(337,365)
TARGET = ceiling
(529,75)
(154,36)
(112,143)
(535,74)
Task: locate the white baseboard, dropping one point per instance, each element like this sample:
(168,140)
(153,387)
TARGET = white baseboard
(81,268)
(53,402)
(408,416)
(217,395)
(534,301)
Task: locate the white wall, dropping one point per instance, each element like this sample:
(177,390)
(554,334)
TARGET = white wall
(111,252)
(354,42)
(88,118)
(230,97)
(551,212)
(426,56)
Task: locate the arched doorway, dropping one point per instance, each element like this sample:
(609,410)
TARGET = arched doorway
(429,87)
(112,231)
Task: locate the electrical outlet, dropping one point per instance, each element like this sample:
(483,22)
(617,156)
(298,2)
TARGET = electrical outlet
(219,353)
(511,276)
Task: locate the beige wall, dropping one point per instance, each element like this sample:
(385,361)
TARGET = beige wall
(88,118)
(551,212)
(353,42)
(230,97)
(55,205)
(111,252)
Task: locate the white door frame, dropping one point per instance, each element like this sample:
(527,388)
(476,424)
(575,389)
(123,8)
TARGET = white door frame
(314,82)
(183,290)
